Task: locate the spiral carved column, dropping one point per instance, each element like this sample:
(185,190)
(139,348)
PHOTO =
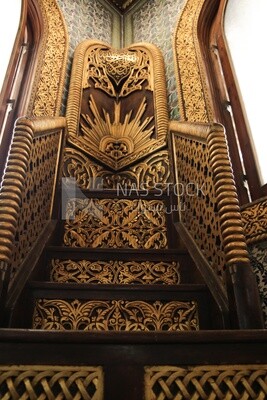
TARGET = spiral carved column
(241,283)
(228,207)
(12,186)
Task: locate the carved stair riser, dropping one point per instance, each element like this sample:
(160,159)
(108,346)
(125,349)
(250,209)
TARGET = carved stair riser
(116,223)
(115,315)
(114,272)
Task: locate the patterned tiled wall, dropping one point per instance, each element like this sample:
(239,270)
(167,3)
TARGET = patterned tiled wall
(258,259)
(85,19)
(155,22)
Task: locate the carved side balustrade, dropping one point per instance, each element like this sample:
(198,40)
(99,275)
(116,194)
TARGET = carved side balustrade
(210,217)
(28,191)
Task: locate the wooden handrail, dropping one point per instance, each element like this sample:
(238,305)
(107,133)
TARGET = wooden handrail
(197,130)
(42,124)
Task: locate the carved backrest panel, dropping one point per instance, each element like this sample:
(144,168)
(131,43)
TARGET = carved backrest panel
(117,108)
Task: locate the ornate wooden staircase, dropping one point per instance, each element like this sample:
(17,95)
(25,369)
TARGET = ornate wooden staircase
(106,294)
(123,322)
(117,265)
(109,322)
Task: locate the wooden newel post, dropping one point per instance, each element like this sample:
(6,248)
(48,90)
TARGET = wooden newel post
(244,301)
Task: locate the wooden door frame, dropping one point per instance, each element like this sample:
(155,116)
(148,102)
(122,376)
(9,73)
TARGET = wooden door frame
(18,82)
(226,100)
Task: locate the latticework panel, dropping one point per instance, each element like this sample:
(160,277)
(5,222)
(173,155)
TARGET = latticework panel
(197,200)
(230,382)
(115,272)
(51,382)
(115,223)
(115,315)
(37,195)
(254,218)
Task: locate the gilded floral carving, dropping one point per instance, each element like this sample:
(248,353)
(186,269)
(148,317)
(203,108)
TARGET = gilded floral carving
(154,170)
(254,218)
(52,65)
(116,223)
(194,101)
(115,272)
(108,68)
(115,315)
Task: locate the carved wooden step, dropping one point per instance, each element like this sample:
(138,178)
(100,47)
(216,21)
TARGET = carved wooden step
(66,306)
(120,266)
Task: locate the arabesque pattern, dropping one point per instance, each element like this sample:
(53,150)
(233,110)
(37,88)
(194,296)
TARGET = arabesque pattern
(115,315)
(153,172)
(220,382)
(194,100)
(48,85)
(109,67)
(254,218)
(116,223)
(51,382)
(115,272)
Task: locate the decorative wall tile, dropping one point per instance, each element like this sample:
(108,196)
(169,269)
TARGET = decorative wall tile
(85,19)
(154,22)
